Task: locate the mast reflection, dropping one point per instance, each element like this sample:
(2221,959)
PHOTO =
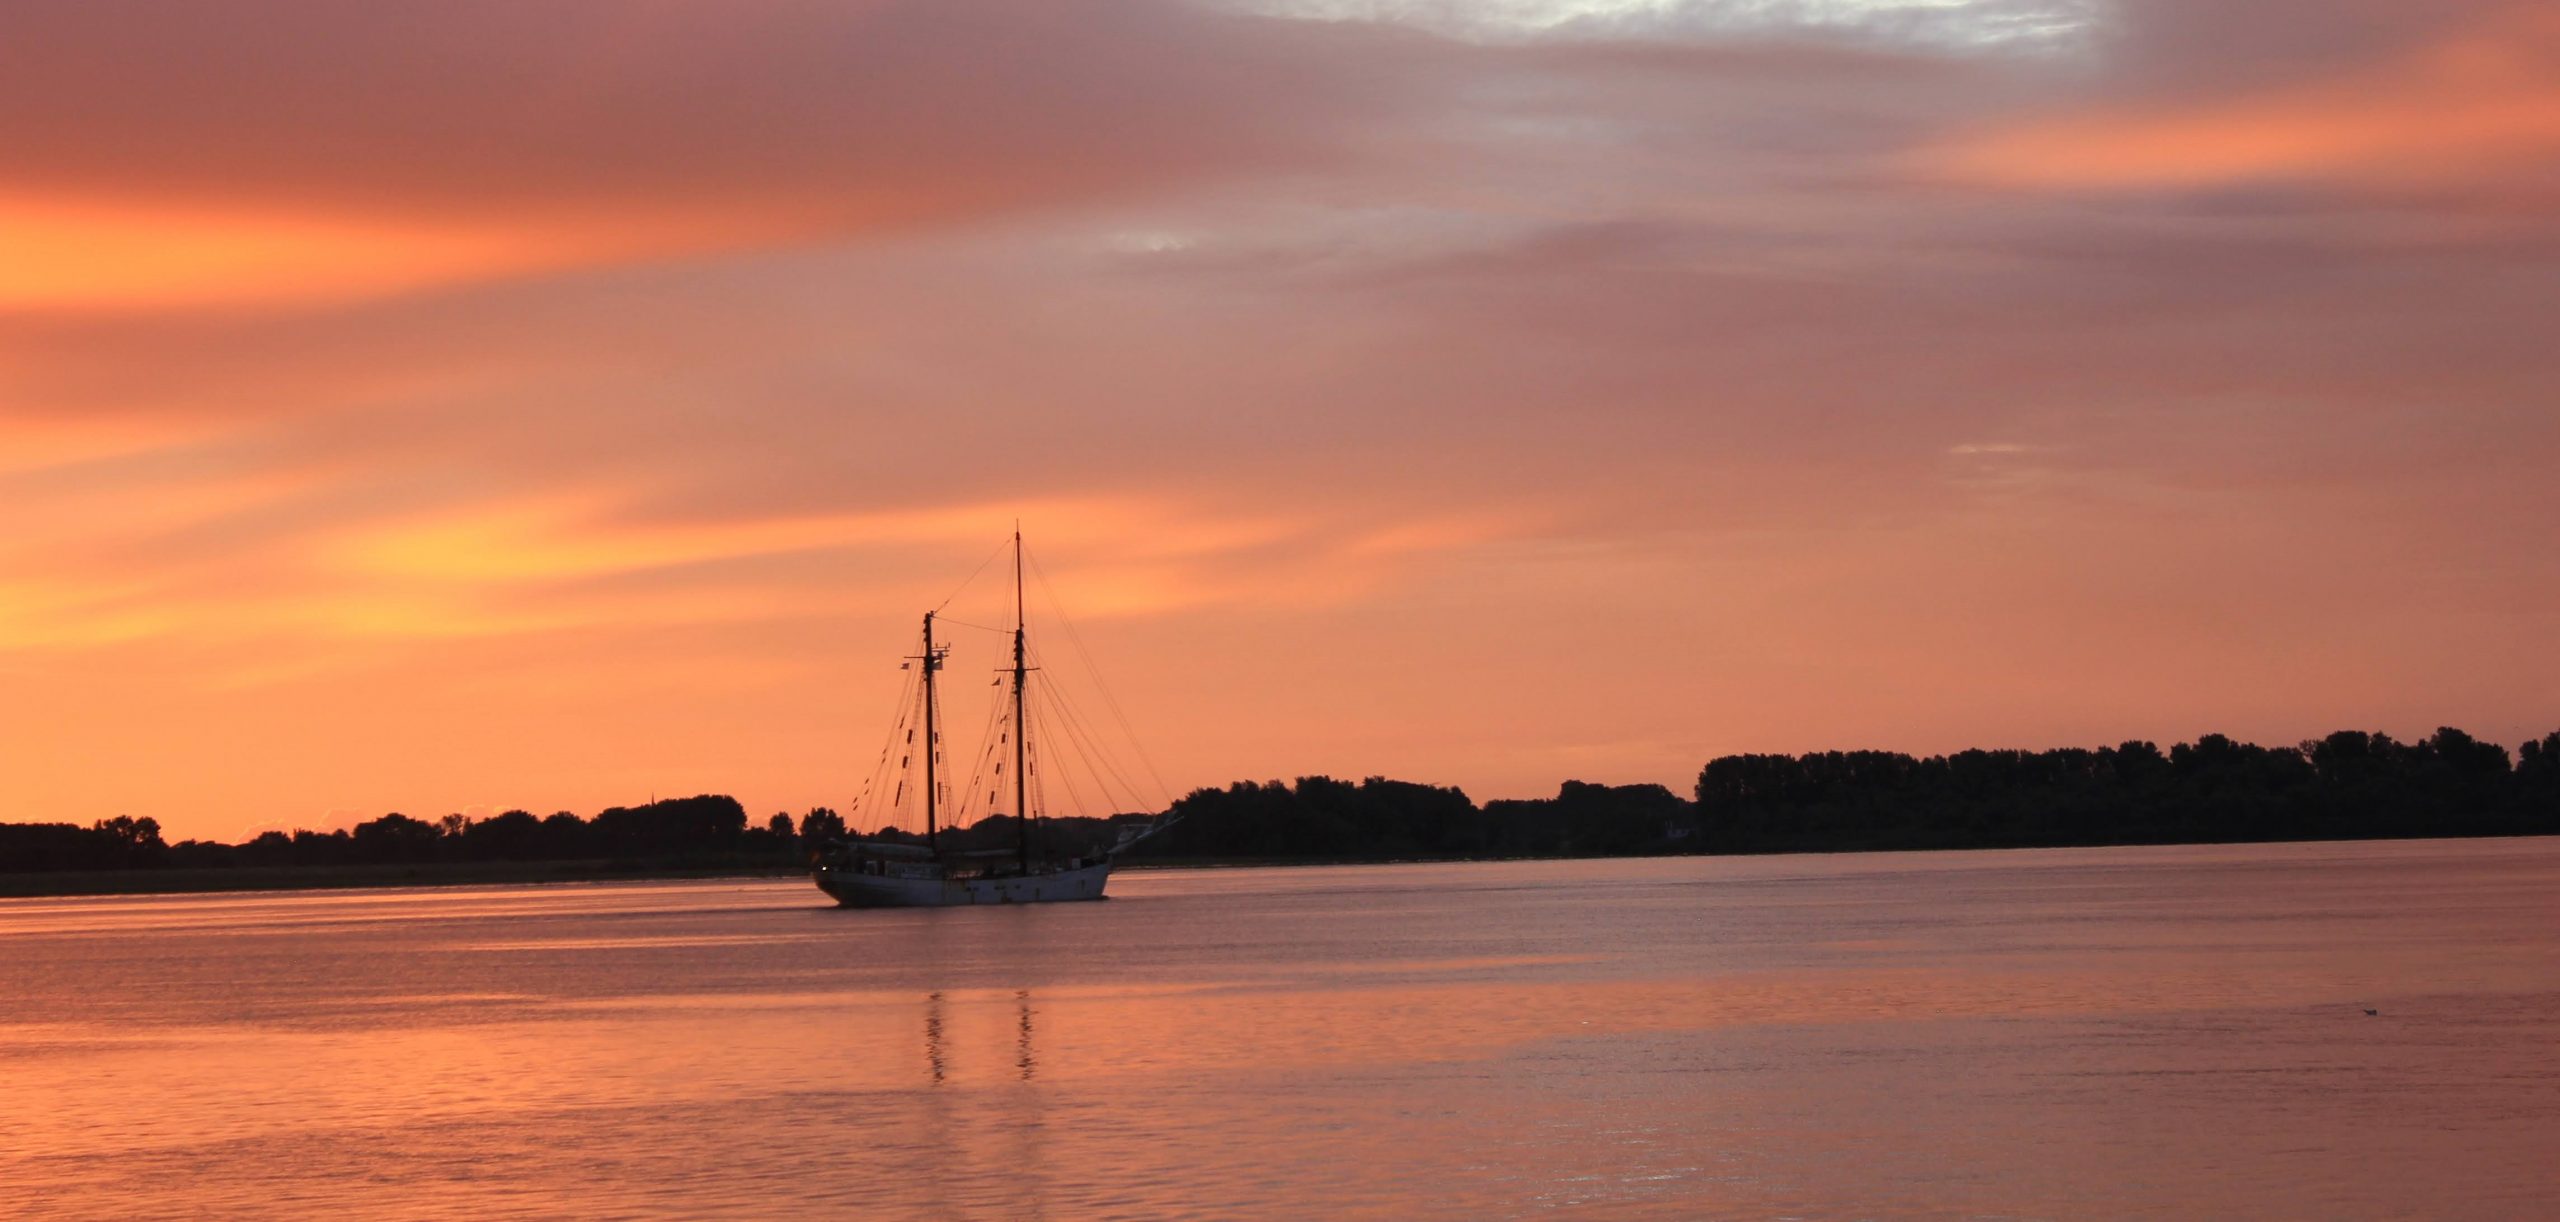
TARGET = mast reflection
(937,1060)
(933,1036)
(1022,1041)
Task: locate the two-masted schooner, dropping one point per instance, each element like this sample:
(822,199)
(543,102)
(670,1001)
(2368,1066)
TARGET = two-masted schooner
(885,873)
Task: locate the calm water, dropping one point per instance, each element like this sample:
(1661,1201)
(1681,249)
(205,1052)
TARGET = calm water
(2173,1032)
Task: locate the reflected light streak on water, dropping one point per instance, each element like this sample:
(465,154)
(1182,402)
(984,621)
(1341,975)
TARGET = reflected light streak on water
(2029,1034)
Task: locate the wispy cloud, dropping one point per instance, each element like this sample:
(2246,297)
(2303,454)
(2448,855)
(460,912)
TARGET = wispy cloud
(1947,24)
(362,152)
(2483,100)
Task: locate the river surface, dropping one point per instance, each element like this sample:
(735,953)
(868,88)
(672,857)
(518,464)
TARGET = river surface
(2174,1032)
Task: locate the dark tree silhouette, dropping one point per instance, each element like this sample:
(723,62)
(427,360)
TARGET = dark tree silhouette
(819,826)
(396,838)
(2348,784)
(2352,783)
(513,836)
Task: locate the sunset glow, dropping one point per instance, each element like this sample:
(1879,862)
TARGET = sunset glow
(69,255)
(553,404)
(2479,101)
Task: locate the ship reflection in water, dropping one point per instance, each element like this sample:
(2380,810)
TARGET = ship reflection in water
(970,1106)
(937,1070)
(2051,1034)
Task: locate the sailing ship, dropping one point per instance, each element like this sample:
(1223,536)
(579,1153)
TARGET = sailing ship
(881,872)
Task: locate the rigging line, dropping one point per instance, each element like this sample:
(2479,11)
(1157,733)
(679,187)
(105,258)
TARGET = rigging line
(1060,743)
(897,720)
(908,807)
(1090,751)
(1117,792)
(1030,772)
(978,768)
(939,619)
(1092,740)
(1111,803)
(973,576)
(1076,639)
(990,778)
(1110,702)
(907,749)
(1075,736)
(880,768)
(1067,779)
(1038,783)
(1106,773)
(989,772)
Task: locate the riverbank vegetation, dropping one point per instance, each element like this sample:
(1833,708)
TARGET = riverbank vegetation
(2348,785)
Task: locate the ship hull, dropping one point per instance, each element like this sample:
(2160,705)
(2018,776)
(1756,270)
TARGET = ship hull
(852,889)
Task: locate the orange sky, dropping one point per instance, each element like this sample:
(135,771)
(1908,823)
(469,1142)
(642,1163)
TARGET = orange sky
(554,403)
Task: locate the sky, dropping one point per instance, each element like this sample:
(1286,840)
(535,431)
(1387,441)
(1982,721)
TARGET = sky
(556,403)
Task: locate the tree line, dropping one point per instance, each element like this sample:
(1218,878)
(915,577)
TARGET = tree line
(2348,785)
(674,831)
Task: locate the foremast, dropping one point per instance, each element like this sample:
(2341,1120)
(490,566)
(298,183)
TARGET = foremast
(931,659)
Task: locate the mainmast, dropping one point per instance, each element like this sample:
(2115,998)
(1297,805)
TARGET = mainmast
(1021,725)
(932,660)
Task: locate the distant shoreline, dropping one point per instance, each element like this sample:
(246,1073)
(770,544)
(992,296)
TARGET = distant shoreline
(67,884)
(2349,785)
(76,884)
